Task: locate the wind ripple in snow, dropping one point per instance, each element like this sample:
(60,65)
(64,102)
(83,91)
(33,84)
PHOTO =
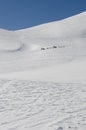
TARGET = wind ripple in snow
(26,105)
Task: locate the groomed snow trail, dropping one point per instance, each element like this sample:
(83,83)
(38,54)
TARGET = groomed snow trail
(26,105)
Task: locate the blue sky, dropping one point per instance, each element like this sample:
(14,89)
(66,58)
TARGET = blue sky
(19,14)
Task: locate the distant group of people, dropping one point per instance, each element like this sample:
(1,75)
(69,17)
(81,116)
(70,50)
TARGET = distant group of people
(43,48)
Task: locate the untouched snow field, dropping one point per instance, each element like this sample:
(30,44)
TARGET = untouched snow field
(43,76)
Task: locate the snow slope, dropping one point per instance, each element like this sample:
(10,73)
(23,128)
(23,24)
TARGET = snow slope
(43,76)
(26,105)
(20,51)
(8,41)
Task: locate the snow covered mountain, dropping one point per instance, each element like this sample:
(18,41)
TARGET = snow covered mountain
(43,76)
(45,48)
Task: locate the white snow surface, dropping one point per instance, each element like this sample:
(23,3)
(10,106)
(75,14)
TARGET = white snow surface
(43,76)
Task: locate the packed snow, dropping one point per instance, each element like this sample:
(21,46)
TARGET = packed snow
(43,76)
(29,105)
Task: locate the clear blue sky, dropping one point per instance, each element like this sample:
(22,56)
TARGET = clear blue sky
(19,14)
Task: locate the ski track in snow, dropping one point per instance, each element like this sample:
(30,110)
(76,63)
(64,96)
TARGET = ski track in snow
(29,105)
